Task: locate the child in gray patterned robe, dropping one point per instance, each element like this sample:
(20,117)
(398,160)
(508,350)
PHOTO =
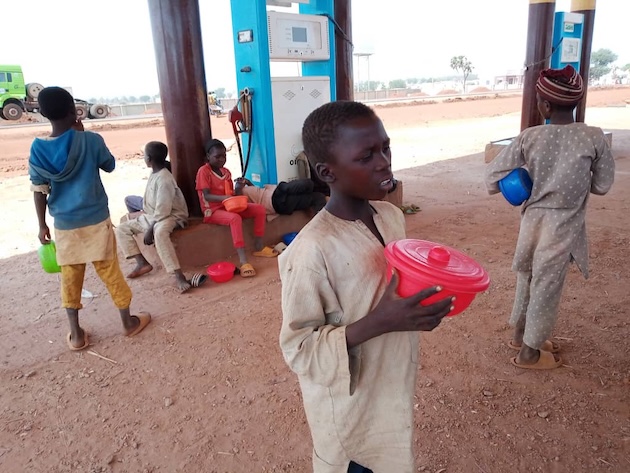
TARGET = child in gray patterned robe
(567,161)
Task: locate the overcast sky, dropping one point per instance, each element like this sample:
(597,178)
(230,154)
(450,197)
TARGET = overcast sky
(104,48)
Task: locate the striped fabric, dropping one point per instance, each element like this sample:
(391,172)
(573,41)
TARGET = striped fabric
(560,86)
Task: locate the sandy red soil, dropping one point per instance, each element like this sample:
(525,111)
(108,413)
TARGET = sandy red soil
(204,387)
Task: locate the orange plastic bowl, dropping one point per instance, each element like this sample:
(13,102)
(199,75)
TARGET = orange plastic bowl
(221,272)
(238,203)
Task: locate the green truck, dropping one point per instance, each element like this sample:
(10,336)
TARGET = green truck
(18,97)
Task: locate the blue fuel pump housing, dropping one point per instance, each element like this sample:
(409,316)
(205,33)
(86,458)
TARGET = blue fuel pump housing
(274,109)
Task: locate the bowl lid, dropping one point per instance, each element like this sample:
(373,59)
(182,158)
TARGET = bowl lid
(438,264)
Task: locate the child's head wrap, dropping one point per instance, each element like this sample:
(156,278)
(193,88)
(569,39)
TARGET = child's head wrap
(560,86)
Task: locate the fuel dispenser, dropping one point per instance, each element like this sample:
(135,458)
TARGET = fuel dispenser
(267,120)
(567,40)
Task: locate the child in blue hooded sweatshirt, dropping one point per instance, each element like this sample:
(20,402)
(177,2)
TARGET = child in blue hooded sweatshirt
(64,172)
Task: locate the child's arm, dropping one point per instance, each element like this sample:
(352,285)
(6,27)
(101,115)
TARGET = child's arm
(202,183)
(603,168)
(241,183)
(397,314)
(41,189)
(315,348)
(165,195)
(510,158)
(311,346)
(41,201)
(106,160)
(213,197)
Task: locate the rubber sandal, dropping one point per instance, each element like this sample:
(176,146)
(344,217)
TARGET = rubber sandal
(546,361)
(266,252)
(86,342)
(144,318)
(198,279)
(410,209)
(548,345)
(247,270)
(280,247)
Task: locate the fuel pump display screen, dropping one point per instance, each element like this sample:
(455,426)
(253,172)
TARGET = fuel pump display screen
(299,35)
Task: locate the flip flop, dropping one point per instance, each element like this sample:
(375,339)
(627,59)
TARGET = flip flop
(86,342)
(247,270)
(266,252)
(198,279)
(546,361)
(548,345)
(144,318)
(280,247)
(410,209)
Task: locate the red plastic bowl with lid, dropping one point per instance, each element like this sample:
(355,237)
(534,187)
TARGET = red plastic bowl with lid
(422,264)
(221,272)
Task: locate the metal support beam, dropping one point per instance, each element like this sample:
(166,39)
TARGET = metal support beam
(539,35)
(176,31)
(587,8)
(343,46)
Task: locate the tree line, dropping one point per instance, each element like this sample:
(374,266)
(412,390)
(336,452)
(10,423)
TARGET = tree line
(602,63)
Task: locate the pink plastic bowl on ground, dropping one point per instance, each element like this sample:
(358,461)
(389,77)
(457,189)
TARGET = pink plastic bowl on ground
(422,264)
(221,272)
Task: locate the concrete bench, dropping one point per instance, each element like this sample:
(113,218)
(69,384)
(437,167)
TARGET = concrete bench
(201,244)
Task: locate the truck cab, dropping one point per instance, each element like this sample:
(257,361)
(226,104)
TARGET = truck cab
(17,97)
(12,92)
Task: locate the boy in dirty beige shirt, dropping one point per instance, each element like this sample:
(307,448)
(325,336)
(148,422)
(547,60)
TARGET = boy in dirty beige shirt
(567,161)
(352,342)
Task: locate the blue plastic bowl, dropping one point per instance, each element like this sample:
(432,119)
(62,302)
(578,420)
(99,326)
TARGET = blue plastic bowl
(288,238)
(516,187)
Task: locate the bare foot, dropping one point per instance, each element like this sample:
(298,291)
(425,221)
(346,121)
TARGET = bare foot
(183,284)
(139,270)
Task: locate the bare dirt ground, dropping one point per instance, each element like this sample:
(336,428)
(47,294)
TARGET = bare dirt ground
(204,387)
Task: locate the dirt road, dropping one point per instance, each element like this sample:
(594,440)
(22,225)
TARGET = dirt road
(205,388)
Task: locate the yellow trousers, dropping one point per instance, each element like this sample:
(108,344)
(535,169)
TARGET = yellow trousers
(109,271)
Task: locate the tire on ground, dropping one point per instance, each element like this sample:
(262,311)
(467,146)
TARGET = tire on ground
(99,110)
(12,111)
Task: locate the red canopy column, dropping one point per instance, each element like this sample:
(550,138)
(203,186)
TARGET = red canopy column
(539,37)
(343,50)
(587,8)
(176,31)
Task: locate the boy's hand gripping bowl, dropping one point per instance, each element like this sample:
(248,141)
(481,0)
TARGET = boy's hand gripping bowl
(48,257)
(422,264)
(516,187)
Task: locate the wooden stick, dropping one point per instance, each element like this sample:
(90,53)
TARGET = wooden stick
(91,352)
(480,469)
